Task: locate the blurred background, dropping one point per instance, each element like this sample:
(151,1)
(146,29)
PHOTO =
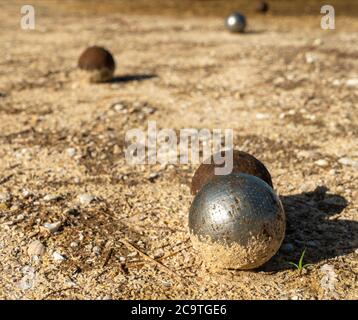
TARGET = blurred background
(204,7)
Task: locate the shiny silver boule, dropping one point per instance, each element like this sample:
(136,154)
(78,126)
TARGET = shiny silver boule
(236,22)
(236,221)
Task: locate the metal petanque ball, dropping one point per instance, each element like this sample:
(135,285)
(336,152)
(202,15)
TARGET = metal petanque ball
(236,22)
(236,222)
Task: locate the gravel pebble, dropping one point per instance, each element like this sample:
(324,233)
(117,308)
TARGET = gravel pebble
(321,163)
(28,280)
(86,199)
(352,82)
(310,57)
(36,248)
(51,197)
(71,152)
(52,227)
(5,197)
(262,116)
(57,256)
(96,250)
(153,176)
(348,162)
(118,106)
(26,193)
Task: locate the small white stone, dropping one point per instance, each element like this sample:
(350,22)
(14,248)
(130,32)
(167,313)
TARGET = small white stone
(262,116)
(51,197)
(86,199)
(36,248)
(317,42)
(321,163)
(311,117)
(57,256)
(96,250)
(153,176)
(116,149)
(329,278)
(348,162)
(26,193)
(52,227)
(132,254)
(291,112)
(5,197)
(73,244)
(352,82)
(28,280)
(20,217)
(35,259)
(71,152)
(148,110)
(118,107)
(310,57)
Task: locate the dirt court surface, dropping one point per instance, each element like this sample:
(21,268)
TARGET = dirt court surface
(288,89)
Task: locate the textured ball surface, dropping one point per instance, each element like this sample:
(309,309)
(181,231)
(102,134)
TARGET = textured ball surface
(236,221)
(98,63)
(236,22)
(242,162)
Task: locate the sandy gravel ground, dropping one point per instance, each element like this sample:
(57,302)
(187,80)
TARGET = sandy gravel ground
(287,88)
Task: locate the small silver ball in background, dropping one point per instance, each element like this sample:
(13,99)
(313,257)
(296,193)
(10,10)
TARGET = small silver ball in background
(236,222)
(236,22)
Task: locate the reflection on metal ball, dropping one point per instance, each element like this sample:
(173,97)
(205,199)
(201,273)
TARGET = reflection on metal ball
(236,22)
(237,222)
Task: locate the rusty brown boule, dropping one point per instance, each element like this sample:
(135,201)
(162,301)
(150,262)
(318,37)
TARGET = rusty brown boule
(262,7)
(242,163)
(97,63)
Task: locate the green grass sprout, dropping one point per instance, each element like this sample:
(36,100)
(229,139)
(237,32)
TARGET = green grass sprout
(300,266)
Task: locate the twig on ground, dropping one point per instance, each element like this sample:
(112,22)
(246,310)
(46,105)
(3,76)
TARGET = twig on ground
(159,264)
(140,263)
(108,257)
(6,179)
(57,291)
